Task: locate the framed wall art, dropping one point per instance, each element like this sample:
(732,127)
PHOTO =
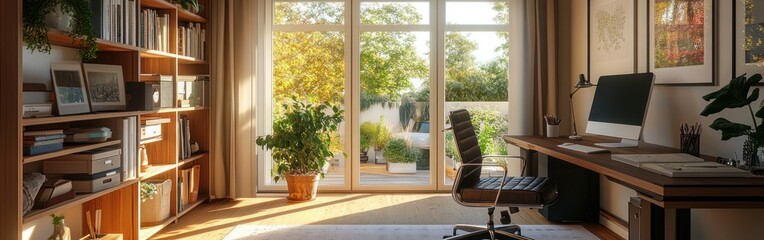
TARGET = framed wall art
(69,88)
(106,87)
(682,42)
(748,39)
(612,38)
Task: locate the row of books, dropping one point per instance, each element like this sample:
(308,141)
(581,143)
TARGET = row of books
(115,20)
(155,30)
(185,137)
(44,141)
(192,41)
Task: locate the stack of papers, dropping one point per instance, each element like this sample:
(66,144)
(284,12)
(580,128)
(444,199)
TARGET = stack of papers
(638,160)
(700,169)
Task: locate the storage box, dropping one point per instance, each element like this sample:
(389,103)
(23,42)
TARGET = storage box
(84,163)
(193,90)
(151,131)
(154,210)
(89,186)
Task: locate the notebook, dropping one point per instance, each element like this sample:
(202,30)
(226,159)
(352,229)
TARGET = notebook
(638,160)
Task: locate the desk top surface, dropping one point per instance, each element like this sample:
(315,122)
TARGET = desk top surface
(636,177)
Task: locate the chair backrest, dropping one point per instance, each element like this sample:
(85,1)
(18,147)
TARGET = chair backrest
(467,145)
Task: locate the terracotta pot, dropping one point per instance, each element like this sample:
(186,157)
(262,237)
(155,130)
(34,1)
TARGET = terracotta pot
(302,188)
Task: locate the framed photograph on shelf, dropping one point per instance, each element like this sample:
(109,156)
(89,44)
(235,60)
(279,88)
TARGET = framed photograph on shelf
(682,42)
(69,86)
(748,39)
(106,87)
(612,38)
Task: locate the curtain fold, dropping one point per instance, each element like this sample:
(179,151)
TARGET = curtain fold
(544,30)
(232,69)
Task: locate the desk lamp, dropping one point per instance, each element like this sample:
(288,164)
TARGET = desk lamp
(582,83)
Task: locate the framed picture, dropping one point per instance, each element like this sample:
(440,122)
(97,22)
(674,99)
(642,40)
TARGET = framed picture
(69,86)
(106,87)
(612,38)
(682,42)
(748,53)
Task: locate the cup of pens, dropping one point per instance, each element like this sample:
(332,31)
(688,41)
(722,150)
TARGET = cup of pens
(552,126)
(689,139)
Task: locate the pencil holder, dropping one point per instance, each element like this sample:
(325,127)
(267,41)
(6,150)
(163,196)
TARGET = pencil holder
(690,144)
(552,131)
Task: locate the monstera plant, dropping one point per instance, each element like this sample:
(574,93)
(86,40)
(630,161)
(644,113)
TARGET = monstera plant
(738,94)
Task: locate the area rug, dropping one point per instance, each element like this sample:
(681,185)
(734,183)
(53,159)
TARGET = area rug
(389,232)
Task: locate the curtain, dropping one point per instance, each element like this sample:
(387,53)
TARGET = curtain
(232,68)
(544,65)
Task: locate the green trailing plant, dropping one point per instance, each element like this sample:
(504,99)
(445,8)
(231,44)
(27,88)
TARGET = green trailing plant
(36,33)
(736,95)
(396,151)
(57,219)
(148,190)
(301,138)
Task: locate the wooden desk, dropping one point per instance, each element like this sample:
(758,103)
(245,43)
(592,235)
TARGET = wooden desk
(667,201)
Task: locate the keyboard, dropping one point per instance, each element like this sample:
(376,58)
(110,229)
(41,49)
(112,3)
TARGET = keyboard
(584,149)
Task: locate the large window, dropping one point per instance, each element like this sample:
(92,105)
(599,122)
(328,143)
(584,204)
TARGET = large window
(381,60)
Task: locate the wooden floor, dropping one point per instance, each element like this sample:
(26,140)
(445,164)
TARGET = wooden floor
(214,220)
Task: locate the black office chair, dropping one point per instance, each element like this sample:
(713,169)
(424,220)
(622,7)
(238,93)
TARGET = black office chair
(473,190)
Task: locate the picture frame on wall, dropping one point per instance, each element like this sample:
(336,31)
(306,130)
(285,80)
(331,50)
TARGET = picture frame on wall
(748,37)
(69,87)
(682,42)
(106,87)
(612,37)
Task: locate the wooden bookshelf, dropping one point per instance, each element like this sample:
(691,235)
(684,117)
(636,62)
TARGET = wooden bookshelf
(79,199)
(155,170)
(64,39)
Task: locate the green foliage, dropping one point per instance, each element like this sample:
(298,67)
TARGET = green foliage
(396,151)
(466,81)
(377,133)
(191,5)
(302,137)
(148,190)
(36,33)
(368,100)
(736,95)
(57,219)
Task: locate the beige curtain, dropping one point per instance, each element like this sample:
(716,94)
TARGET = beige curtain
(232,61)
(544,76)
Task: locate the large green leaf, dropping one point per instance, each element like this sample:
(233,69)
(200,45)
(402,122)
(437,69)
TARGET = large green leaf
(729,129)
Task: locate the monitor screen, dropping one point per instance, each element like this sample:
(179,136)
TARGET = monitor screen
(620,105)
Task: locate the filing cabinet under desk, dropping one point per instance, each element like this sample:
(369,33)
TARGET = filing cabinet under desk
(578,188)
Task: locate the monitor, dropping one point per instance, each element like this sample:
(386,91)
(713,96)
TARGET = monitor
(619,108)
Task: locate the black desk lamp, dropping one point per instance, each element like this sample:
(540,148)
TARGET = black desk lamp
(582,83)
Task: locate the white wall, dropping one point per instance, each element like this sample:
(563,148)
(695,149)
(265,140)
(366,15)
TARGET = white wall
(669,107)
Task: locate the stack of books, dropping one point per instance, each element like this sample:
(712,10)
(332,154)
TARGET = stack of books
(192,40)
(44,141)
(114,20)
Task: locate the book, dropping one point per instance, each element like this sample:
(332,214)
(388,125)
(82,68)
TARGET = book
(33,143)
(87,135)
(154,120)
(184,186)
(696,169)
(91,155)
(37,150)
(43,132)
(638,160)
(44,137)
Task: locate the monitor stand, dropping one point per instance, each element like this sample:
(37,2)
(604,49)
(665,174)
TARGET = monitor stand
(623,143)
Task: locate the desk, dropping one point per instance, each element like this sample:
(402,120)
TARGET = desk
(666,201)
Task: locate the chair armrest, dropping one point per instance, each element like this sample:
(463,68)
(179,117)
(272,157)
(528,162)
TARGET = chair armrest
(459,179)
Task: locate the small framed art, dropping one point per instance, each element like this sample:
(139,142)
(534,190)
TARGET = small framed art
(106,87)
(69,86)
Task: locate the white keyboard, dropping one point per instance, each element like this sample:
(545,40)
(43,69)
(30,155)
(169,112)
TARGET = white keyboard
(583,149)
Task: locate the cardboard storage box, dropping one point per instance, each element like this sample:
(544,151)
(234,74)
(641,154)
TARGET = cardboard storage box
(87,163)
(108,180)
(156,209)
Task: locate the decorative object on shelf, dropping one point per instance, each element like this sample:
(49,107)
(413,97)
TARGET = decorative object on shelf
(106,87)
(60,230)
(31,185)
(582,83)
(736,95)
(69,85)
(144,95)
(148,190)
(36,31)
(682,43)
(191,5)
(143,158)
(194,147)
(312,127)
(748,37)
(155,201)
(552,125)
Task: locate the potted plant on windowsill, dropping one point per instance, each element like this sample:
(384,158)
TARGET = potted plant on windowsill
(301,145)
(401,158)
(735,95)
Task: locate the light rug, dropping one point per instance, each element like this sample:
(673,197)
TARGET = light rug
(391,232)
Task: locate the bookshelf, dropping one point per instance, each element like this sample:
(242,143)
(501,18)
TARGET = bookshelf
(120,204)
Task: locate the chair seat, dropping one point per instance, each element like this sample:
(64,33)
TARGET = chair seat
(516,190)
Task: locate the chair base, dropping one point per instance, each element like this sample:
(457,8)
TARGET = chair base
(511,228)
(488,234)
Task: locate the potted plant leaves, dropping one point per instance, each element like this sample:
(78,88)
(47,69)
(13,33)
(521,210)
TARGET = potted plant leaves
(400,157)
(36,31)
(301,145)
(379,136)
(736,95)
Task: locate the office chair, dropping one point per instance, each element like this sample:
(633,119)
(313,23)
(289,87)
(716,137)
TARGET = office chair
(473,190)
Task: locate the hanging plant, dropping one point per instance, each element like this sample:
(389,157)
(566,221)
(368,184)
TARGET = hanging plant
(36,32)
(191,5)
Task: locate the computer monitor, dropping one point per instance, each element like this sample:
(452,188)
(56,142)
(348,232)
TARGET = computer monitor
(619,108)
